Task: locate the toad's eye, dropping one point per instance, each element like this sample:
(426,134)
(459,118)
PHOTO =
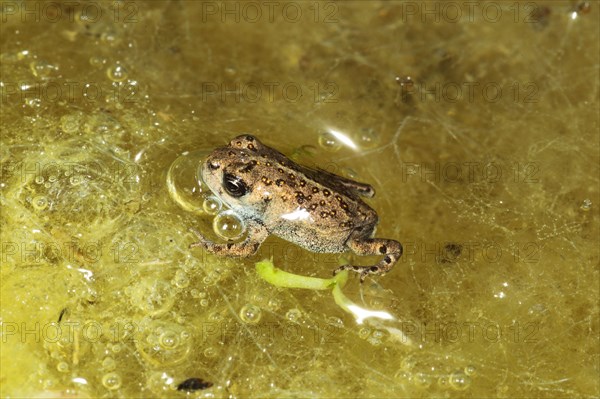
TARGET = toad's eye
(234,185)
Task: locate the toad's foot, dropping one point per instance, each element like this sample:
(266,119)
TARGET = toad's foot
(373,246)
(255,236)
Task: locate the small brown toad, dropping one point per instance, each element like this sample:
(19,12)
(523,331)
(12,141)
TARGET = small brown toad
(314,209)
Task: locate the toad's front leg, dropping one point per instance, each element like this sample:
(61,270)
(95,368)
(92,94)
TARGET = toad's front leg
(392,250)
(256,234)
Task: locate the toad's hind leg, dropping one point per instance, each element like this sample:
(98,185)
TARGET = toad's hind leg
(391,249)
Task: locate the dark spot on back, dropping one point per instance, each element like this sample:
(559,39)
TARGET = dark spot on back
(247,168)
(382,249)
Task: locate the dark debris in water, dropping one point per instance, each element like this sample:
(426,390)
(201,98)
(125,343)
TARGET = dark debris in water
(194,384)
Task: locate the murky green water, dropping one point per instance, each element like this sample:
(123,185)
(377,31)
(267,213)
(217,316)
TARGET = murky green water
(476,123)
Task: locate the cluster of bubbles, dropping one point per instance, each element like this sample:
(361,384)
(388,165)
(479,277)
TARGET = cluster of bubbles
(458,380)
(186,187)
(163,342)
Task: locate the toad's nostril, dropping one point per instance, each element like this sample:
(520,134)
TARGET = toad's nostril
(214,165)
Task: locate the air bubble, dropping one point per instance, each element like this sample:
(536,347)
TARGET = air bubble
(293,315)
(376,338)
(75,180)
(422,380)
(163,343)
(587,205)
(335,322)
(228,225)
(443,381)
(369,138)
(403,376)
(328,141)
(183,184)
(97,62)
(39,179)
(39,203)
(349,173)
(70,123)
(111,381)
(181,279)
(274,304)
(41,69)
(116,348)
(109,364)
(168,340)
(364,333)
(33,102)
(117,73)
(250,314)
(470,370)
(374,341)
(210,352)
(459,381)
(212,205)
(377,334)
(109,37)
(62,367)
